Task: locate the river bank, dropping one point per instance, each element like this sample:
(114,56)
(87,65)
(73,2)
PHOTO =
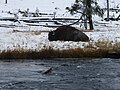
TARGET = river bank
(68,53)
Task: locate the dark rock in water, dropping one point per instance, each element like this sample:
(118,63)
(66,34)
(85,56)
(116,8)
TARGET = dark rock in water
(67,33)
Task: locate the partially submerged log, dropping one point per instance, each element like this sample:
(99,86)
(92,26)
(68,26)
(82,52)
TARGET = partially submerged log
(47,71)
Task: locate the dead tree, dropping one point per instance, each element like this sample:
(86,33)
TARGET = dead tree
(5,1)
(107,10)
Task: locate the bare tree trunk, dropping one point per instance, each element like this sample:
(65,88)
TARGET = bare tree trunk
(90,22)
(90,16)
(5,1)
(85,21)
(85,16)
(107,10)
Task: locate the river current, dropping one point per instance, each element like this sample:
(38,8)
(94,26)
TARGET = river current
(60,74)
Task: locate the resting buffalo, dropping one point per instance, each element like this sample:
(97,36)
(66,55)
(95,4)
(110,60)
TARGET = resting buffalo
(67,33)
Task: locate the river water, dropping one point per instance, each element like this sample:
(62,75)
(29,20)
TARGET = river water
(60,74)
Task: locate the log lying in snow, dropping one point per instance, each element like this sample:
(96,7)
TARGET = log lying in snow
(8,19)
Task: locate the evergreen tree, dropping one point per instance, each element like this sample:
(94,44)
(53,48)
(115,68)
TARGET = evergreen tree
(87,8)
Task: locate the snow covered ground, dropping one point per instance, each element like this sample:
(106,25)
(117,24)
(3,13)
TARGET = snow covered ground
(36,37)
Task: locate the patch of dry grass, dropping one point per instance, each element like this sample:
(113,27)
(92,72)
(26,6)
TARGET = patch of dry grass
(50,53)
(103,48)
(104,43)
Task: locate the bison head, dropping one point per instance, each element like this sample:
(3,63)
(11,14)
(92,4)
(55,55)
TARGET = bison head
(52,36)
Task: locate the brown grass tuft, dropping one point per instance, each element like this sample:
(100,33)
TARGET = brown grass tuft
(51,53)
(101,49)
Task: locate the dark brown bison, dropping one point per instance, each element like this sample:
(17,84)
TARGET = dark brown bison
(67,33)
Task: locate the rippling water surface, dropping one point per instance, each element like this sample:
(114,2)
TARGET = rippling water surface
(64,74)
